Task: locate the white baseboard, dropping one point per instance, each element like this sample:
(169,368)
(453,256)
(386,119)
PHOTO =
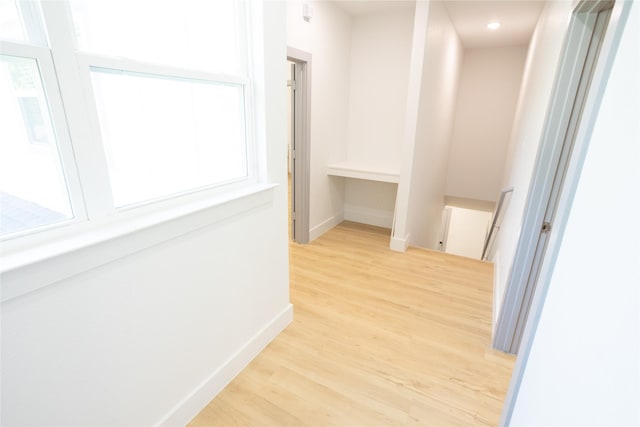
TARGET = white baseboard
(325,226)
(379,218)
(195,401)
(399,244)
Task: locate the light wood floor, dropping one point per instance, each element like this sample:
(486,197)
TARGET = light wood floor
(379,339)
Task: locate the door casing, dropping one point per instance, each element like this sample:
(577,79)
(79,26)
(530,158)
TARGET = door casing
(301,143)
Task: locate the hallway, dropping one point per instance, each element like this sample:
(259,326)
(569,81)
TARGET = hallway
(379,338)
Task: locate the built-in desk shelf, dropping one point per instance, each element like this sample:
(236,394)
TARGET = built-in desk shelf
(350,170)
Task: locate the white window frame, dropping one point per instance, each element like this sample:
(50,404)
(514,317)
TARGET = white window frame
(98,226)
(77,90)
(86,161)
(43,58)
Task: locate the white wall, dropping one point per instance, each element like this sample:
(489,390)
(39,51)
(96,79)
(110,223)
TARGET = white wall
(468,230)
(369,202)
(379,71)
(542,60)
(584,365)
(380,54)
(440,74)
(152,336)
(328,38)
(489,86)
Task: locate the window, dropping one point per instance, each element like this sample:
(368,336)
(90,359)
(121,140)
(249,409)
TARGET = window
(160,108)
(10,24)
(195,35)
(33,190)
(38,181)
(165,135)
(179,124)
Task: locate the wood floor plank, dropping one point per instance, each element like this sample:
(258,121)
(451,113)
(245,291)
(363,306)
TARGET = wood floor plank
(379,338)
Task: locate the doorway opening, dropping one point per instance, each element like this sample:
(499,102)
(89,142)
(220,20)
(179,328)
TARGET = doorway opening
(587,54)
(298,87)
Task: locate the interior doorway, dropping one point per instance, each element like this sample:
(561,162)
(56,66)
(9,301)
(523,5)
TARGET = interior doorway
(298,87)
(580,78)
(290,133)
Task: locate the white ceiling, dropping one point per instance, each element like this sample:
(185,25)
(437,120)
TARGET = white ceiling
(368,7)
(470,18)
(517,18)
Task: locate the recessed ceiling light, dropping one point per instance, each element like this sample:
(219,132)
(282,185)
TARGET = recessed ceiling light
(493,25)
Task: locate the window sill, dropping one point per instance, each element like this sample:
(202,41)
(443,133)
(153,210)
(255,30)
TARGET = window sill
(92,245)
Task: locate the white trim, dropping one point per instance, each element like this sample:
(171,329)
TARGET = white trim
(24,50)
(325,226)
(97,243)
(246,23)
(194,402)
(496,280)
(363,215)
(444,227)
(61,131)
(255,100)
(349,170)
(88,60)
(77,96)
(399,244)
(31,18)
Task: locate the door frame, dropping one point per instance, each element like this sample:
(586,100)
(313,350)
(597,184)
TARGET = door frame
(534,216)
(301,144)
(559,161)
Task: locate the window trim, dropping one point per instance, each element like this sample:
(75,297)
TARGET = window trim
(96,243)
(77,94)
(86,61)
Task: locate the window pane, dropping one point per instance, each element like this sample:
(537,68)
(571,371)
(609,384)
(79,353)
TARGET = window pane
(186,33)
(10,23)
(33,191)
(164,136)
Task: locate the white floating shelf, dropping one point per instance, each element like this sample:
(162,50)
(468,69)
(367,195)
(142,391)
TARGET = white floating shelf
(349,170)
